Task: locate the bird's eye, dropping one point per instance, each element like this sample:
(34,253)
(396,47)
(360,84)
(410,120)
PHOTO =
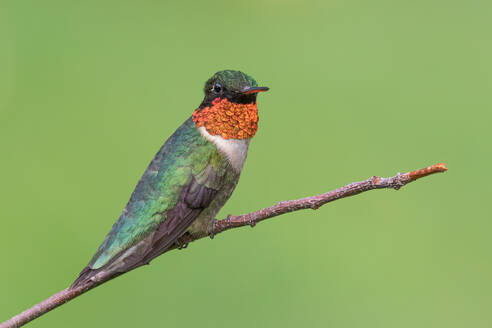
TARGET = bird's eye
(217,87)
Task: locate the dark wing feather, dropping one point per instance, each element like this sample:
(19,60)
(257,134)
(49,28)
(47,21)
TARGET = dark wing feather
(193,199)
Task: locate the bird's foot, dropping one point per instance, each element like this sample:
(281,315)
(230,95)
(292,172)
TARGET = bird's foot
(182,246)
(212,234)
(180,243)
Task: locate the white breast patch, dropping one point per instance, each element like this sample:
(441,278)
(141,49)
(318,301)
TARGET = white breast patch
(235,150)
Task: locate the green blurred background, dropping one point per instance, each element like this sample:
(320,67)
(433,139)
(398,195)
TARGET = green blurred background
(90,90)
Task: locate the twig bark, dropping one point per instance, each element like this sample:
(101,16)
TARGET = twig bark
(251,219)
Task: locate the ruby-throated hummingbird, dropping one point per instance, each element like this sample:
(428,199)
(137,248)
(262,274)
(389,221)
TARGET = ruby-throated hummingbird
(187,182)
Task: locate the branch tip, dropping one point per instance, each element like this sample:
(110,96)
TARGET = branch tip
(436,168)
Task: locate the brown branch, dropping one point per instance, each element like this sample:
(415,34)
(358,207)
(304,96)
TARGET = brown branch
(231,222)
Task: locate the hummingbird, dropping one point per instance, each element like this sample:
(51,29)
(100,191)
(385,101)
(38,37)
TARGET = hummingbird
(188,181)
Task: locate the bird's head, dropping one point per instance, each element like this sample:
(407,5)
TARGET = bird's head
(229,107)
(235,86)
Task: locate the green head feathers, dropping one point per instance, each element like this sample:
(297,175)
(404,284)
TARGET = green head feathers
(234,81)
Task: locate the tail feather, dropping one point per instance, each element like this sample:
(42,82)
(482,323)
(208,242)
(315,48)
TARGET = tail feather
(88,275)
(84,277)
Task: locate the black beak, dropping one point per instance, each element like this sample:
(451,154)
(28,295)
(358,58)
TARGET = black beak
(255,90)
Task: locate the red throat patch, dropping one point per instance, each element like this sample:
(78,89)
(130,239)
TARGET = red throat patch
(227,119)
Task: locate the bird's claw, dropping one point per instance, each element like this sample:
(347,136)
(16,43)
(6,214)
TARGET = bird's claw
(212,234)
(183,246)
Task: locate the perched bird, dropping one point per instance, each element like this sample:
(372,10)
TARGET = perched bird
(187,182)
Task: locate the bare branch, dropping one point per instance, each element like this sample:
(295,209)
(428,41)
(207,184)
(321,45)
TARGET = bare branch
(314,202)
(250,219)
